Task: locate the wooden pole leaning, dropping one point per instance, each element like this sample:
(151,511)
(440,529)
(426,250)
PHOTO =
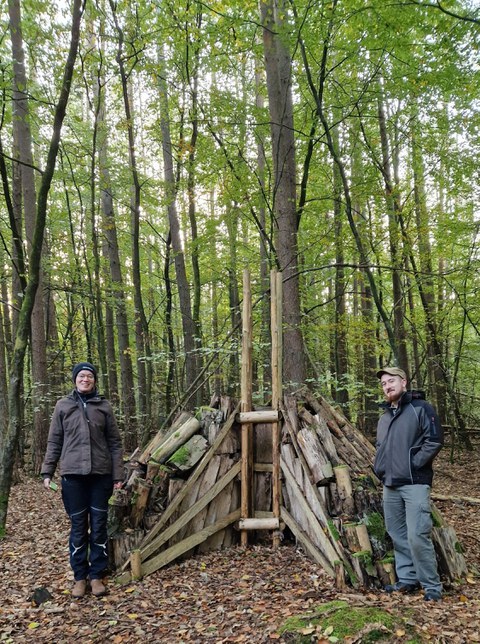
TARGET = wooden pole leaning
(277,387)
(246,406)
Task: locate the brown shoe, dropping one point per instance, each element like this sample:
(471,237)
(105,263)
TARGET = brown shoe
(98,587)
(79,588)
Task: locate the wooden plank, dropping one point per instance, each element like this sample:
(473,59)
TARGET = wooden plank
(309,546)
(169,555)
(210,476)
(192,479)
(219,507)
(322,533)
(153,546)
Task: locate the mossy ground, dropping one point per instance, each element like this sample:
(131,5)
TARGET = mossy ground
(337,621)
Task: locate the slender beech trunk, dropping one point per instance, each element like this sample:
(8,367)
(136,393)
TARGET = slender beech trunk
(265,353)
(188,325)
(116,289)
(341,348)
(436,376)
(9,439)
(142,340)
(192,216)
(392,200)
(21,123)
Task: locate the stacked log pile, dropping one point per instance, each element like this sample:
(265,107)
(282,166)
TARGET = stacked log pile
(182,494)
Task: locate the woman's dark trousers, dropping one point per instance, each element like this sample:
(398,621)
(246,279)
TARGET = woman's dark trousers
(86,501)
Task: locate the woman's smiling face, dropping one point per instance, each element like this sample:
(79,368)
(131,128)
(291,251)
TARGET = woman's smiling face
(85,381)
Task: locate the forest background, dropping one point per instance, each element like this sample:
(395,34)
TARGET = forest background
(150,152)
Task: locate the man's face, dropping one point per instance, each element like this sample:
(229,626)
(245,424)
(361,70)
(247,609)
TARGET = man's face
(393,387)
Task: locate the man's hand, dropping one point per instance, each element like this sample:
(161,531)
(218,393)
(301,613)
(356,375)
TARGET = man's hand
(46,483)
(117,485)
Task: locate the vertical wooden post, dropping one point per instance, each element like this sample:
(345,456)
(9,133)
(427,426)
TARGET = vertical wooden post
(276,331)
(246,405)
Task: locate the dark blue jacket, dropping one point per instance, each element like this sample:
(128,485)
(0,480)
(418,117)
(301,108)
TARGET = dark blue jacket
(407,442)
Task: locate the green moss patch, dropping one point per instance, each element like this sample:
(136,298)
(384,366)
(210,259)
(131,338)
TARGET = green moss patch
(337,620)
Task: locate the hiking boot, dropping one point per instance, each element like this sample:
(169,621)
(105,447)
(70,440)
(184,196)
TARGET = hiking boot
(98,587)
(432,596)
(402,587)
(79,588)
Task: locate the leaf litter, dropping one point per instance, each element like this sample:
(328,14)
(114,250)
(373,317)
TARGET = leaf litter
(235,595)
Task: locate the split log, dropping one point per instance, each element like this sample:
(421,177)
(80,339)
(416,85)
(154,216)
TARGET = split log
(118,509)
(218,508)
(311,549)
(319,424)
(177,438)
(451,562)
(210,476)
(351,537)
(363,538)
(318,463)
(319,534)
(345,489)
(188,455)
(161,436)
(140,498)
(192,479)
(121,544)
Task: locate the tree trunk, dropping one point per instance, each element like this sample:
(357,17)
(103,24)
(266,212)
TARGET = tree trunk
(188,325)
(24,139)
(192,216)
(341,349)
(9,440)
(141,325)
(393,208)
(278,66)
(116,287)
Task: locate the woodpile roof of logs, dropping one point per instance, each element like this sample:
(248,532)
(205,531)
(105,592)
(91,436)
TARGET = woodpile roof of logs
(182,494)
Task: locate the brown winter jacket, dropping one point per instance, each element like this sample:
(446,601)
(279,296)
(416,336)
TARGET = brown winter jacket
(84,437)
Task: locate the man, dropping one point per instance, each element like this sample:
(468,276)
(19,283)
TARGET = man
(409,436)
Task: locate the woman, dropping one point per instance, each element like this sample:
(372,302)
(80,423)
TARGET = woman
(84,437)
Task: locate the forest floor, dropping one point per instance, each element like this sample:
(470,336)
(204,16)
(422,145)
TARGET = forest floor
(233,595)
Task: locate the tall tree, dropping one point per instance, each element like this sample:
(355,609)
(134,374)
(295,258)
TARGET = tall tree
(278,67)
(23,136)
(188,324)
(9,439)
